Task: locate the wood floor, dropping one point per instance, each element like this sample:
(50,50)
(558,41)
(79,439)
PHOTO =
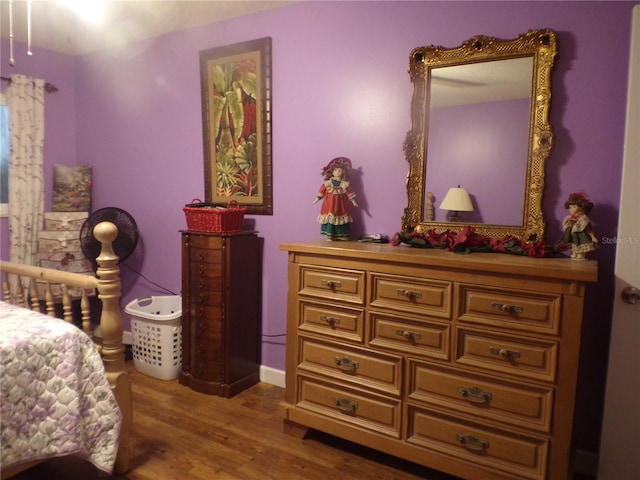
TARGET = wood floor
(179,434)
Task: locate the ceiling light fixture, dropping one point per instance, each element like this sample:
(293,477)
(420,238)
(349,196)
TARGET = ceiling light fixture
(89,10)
(12,60)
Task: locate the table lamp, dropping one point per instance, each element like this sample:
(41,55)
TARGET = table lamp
(456,200)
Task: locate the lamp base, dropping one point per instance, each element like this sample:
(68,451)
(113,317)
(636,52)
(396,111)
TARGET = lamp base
(455,218)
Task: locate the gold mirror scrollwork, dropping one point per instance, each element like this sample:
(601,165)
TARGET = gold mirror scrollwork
(541,46)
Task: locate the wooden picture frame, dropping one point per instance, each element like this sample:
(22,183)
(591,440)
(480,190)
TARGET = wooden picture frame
(236,124)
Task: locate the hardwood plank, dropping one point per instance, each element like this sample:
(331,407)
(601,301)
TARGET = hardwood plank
(179,434)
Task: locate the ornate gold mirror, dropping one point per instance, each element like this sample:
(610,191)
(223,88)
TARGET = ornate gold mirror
(479,121)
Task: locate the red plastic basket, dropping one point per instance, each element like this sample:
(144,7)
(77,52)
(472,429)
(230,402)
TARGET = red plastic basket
(206,217)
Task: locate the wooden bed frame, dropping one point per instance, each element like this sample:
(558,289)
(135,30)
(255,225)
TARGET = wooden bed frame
(107,283)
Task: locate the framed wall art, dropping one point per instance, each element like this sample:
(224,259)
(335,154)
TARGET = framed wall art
(236,122)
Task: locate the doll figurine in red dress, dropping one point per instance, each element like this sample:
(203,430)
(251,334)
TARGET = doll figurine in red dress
(336,195)
(578,232)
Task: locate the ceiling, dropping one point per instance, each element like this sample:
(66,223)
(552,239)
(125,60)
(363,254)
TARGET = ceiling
(55,27)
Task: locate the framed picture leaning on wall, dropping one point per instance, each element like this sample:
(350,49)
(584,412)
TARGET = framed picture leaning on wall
(236,124)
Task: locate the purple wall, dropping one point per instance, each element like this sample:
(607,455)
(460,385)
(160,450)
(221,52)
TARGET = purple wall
(340,88)
(482,147)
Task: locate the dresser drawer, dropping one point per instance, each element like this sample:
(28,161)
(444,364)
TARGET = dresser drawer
(524,457)
(527,312)
(331,320)
(204,278)
(200,298)
(204,349)
(332,284)
(213,242)
(410,336)
(515,355)
(358,366)
(508,402)
(207,329)
(202,255)
(204,317)
(207,370)
(365,410)
(425,297)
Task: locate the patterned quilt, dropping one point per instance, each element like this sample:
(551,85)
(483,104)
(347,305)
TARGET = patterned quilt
(55,398)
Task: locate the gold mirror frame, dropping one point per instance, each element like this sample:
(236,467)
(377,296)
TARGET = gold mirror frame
(542,46)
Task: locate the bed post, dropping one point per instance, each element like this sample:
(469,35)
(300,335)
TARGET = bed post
(111,328)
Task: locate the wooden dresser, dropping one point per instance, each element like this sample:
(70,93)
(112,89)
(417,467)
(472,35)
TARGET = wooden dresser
(463,363)
(221,304)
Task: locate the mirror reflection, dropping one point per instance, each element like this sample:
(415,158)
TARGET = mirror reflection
(480,130)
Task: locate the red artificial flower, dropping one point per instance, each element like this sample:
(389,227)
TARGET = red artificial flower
(396,239)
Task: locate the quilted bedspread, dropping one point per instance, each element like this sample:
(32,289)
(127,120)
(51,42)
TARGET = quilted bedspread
(55,398)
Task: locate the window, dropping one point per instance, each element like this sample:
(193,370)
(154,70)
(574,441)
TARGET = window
(4,157)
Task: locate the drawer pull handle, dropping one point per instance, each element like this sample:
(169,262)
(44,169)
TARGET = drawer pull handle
(503,352)
(503,307)
(346,365)
(201,256)
(472,442)
(332,284)
(474,394)
(330,320)
(345,405)
(201,269)
(411,336)
(409,294)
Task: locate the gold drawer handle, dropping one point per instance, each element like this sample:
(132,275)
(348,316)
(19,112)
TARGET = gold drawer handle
(330,320)
(503,352)
(411,336)
(409,294)
(346,365)
(472,442)
(475,395)
(332,284)
(503,307)
(345,405)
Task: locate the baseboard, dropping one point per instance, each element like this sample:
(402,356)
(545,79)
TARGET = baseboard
(267,374)
(272,376)
(586,463)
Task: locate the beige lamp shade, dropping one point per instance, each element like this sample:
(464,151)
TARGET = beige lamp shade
(457,199)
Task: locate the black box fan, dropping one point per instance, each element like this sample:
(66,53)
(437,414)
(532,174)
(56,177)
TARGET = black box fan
(124,244)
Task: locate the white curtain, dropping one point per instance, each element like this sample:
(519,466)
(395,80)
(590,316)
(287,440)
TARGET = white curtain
(25,99)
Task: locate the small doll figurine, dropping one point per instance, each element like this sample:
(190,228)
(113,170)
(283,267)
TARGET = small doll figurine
(335,193)
(578,233)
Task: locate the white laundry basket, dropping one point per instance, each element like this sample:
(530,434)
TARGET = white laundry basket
(156,326)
